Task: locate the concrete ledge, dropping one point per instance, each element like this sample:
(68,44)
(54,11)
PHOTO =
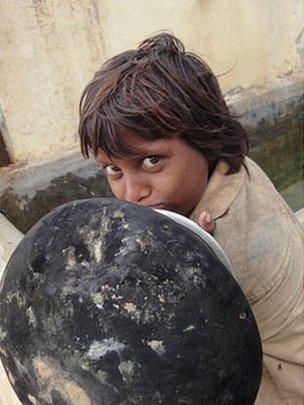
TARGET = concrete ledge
(28,192)
(273,117)
(265,103)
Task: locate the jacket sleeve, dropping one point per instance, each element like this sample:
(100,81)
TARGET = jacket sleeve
(264,242)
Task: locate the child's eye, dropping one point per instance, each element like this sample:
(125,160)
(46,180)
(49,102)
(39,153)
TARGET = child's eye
(151,161)
(111,170)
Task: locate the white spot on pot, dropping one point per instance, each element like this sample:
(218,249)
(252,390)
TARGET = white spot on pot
(85,367)
(99,349)
(97,251)
(188,328)
(2,334)
(157,346)
(70,255)
(32,399)
(161,298)
(118,214)
(98,299)
(126,369)
(130,307)
(31,316)
(242,315)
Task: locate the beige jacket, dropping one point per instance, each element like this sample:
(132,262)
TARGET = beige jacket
(264,242)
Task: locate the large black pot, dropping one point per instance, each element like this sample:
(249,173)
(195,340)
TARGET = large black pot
(107,302)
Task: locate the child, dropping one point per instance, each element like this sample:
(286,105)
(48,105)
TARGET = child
(157,122)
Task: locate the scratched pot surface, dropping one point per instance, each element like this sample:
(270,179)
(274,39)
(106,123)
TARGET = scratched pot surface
(107,302)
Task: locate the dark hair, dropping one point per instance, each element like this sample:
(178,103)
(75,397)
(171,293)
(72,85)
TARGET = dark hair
(159,91)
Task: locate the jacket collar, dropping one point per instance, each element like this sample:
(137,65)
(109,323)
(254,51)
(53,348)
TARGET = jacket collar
(220,192)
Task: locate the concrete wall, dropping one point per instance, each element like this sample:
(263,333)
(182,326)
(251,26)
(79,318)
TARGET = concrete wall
(52,47)
(258,39)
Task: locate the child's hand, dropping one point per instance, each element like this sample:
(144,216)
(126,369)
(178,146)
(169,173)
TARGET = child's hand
(206,222)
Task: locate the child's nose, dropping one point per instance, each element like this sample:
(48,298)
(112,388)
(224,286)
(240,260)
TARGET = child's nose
(136,189)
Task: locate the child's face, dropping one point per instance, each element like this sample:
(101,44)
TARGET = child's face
(165,173)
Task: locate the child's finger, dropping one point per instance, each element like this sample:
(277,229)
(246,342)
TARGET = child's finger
(206,222)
